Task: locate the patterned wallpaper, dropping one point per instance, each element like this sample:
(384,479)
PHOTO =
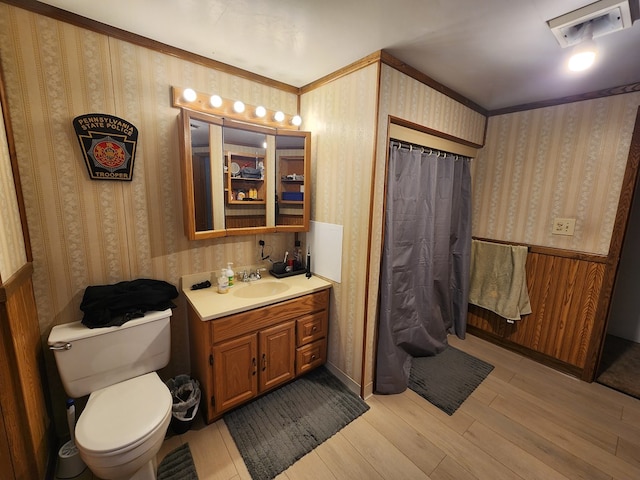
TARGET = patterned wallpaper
(86,232)
(409,99)
(12,248)
(566,161)
(341,117)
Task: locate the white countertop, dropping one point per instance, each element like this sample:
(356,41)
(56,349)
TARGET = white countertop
(209,304)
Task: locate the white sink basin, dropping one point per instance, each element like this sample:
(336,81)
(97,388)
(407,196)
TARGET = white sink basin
(261,288)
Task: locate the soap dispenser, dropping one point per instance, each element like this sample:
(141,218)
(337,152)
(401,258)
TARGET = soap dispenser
(223,282)
(230,274)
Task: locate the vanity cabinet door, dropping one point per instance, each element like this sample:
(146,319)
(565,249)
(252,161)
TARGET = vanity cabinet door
(240,356)
(277,355)
(235,370)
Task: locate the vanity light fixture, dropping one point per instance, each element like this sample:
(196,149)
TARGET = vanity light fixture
(232,109)
(215,101)
(238,106)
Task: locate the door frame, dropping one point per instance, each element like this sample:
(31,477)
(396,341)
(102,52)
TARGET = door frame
(627,192)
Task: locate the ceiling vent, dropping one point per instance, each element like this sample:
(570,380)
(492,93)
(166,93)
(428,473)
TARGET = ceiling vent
(605,16)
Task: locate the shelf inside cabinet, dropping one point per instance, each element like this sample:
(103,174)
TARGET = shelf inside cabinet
(251,188)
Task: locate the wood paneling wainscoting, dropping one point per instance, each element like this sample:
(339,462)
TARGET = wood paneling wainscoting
(25,439)
(564,290)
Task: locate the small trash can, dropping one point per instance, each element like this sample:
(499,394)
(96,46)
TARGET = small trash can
(186,399)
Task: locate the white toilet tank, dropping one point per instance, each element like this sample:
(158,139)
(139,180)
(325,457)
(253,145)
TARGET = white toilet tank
(92,358)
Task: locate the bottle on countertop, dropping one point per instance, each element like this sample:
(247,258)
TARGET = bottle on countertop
(297,257)
(230,274)
(223,282)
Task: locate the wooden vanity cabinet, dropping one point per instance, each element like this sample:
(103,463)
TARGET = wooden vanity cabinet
(241,356)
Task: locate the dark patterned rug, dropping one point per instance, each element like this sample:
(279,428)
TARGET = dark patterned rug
(275,430)
(620,365)
(178,465)
(447,379)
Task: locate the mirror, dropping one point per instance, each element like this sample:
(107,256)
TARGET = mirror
(292,186)
(202,181)
(240,178)
(247,177)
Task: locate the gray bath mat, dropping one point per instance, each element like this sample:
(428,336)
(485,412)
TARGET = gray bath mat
(447,379)
(178,465)
(275,430)
(620,365)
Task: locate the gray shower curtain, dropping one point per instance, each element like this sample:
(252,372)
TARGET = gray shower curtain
(424,279)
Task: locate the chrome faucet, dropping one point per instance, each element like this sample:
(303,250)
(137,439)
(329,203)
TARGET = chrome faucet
(249,276)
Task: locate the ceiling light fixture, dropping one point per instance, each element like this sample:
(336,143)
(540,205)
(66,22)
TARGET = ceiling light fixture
(584,53)
(605,16)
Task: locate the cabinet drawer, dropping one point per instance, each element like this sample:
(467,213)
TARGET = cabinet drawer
(311,328)
(243,323)
(311,356)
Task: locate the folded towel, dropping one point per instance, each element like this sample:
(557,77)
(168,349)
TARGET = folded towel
(498,279)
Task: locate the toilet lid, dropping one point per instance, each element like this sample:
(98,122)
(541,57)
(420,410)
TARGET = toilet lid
(124,414)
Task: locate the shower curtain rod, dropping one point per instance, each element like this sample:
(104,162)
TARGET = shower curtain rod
(423,149)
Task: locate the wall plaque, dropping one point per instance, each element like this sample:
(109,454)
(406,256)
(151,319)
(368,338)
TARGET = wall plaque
(108,145)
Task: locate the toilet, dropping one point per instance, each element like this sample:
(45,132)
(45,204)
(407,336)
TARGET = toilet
(124,422)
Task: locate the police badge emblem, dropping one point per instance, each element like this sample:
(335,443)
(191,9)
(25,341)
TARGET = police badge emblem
(108,145)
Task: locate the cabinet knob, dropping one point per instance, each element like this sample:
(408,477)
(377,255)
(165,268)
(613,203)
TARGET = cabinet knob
(313,357)
(314,328)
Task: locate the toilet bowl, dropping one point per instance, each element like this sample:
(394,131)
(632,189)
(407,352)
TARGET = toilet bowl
(128,411)
(122,428)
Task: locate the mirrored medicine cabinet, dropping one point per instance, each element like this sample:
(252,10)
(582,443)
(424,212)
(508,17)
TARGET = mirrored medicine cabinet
(241,179)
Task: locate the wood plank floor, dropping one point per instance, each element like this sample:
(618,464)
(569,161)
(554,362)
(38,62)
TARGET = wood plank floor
(525,421)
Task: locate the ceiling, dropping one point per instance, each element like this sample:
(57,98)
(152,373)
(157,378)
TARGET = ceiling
(496,53)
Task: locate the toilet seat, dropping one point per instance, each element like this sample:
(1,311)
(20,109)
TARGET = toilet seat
(123,416)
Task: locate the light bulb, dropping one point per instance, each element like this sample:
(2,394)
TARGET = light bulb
(215,101)
(238,106)
(582,60)
(296,120)
(189,94)
(261,111)
(279,116)
(584,53)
